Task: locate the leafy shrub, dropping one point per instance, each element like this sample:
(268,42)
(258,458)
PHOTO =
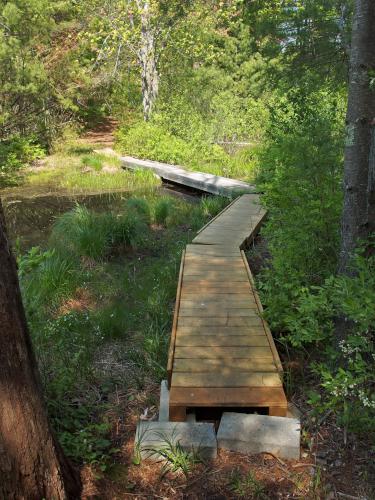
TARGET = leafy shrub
(300,172)
(346,373)
(16,153)
(152,142)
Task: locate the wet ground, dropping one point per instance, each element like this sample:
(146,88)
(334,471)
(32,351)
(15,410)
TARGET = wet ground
(30,218)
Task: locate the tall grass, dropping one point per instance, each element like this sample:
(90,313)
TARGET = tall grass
(84,233)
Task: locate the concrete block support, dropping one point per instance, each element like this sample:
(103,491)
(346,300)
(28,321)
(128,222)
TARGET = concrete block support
(164,402)
(260,433)
(154,437)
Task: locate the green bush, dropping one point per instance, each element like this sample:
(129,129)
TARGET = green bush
(16,153)
(150,141)
(154,142)
(82,233)
(301,172)
(346,373)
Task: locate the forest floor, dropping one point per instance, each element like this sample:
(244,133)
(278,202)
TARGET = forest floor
(135,289)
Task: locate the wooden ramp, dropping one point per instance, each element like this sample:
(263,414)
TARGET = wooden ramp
(209,183)
(222,353)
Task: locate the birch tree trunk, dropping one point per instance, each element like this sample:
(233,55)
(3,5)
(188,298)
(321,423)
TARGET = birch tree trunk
(358,210)
(148,61)
(32,465)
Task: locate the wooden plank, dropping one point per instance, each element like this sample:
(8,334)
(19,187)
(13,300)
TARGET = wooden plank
(227,365)
(214,277)
(233,397)
(256,379)
(223,352)
(226,331)
(218,312)
(217,288)
(221,340)
(210,301)
(175,321)
(209,262)
(221,321)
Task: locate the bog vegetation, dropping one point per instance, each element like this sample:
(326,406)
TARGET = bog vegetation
(266,74)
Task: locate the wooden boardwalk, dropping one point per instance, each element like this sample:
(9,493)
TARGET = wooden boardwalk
(209,183)
(222,353)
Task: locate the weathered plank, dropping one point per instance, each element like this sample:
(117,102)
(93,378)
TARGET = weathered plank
(227,365)
(223,352)
(228,396)
(218,312)
(209,183)
(224,331)
(221,340)
(256,379)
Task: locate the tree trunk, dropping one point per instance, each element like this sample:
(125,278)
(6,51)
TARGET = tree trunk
(32,465)
(358,179)
(147,59)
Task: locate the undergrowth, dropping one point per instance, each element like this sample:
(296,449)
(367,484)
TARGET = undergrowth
(301,173)
(154,142)
(105,279)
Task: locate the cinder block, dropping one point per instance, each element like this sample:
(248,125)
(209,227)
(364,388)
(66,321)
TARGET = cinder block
(164,402)
(260,433)
(154,437)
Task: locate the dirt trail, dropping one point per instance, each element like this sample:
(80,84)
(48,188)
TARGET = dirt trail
(102,135)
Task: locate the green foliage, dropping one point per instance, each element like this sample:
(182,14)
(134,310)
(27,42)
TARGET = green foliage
(141,207)
(212,205)
(152,141)
(93,161)
(301,171)
(162,210)
(16,153)
(74,297)
(175,457)
(346,373)
(88,234)
(47,278)
(247,486)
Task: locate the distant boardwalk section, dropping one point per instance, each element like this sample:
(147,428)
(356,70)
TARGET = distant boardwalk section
(209,183)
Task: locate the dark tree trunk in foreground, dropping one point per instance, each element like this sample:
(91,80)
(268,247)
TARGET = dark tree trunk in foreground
(359,176)
(32,465)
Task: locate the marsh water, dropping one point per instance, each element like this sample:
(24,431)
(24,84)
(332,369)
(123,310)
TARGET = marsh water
(30,217)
